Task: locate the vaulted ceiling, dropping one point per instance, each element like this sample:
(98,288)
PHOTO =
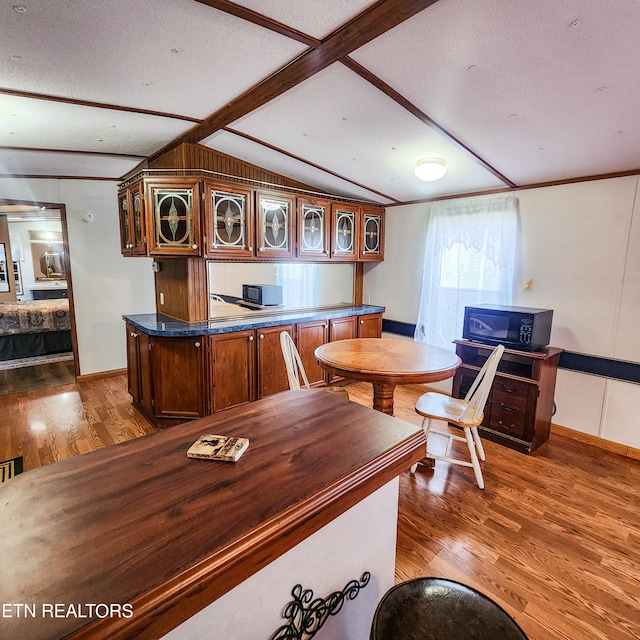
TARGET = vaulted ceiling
(345,95)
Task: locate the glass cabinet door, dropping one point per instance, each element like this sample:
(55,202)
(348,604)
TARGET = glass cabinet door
(176,216)
(372,241)
(313,228)
(228,221)
(275,225)
(138,227)
(125,226)
(344,231)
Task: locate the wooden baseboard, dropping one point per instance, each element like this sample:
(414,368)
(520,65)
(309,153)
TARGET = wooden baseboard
(101,374)
(600,443)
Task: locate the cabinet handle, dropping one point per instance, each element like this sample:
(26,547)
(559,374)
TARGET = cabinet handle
(197,344)
(508,390)
(504,406)
(361,321)
(250,248)
(194,246)
(506,426)
(261,336)
(250,338)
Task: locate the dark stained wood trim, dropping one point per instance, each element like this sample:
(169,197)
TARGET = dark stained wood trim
(92,153)
(261,21)
(538,185)
(262,143)
(423,117)
(368,25)
(97,105)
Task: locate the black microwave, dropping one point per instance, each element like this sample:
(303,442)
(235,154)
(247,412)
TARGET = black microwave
(521,328)
(262,294)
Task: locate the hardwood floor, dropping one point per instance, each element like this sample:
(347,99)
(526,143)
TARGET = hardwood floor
(50,424)
(38,376)
(554,538)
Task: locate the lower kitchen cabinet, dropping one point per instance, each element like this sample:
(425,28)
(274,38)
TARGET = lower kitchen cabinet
(246,365)
(179,377)
(172,379)
(232,369)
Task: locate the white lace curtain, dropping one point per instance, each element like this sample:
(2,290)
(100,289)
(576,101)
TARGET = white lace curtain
(470,258)
(299,284)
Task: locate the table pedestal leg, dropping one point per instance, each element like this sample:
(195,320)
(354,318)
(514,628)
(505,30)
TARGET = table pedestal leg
(383,397)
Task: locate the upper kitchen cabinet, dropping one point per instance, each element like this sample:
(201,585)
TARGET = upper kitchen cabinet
(228,219)
(175,216)
(345,226)
(313,228)
(133,228)
(371,246)
(275,224)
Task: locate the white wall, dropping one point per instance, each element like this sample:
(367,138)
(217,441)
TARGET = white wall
(581,245)
(105,285)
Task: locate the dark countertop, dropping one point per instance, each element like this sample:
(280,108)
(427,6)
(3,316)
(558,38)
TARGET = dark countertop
(157,324)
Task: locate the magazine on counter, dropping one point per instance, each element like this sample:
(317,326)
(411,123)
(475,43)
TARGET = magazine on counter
(213,447)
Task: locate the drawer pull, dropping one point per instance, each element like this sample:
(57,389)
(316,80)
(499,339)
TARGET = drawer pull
(506,426)
(508,390)
(504,406)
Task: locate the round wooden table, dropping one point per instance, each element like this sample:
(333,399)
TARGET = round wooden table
(387,363)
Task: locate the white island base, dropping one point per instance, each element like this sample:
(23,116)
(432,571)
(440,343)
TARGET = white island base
(361,539)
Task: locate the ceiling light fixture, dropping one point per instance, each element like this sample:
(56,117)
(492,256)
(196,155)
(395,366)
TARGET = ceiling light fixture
(430,169)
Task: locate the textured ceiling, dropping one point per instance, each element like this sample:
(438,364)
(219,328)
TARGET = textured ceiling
(342,95)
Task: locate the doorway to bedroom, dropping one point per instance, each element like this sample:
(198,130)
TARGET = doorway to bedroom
(37,333)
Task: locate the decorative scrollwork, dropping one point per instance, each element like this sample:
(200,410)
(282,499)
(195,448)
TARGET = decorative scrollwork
(305,621)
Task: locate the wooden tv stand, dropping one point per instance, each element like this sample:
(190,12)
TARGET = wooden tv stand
(520,405)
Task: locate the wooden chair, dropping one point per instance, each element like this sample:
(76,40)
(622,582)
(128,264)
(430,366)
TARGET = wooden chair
(295,368)
(466,414)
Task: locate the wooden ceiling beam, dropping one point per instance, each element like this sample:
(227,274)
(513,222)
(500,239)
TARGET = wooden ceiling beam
(366,26)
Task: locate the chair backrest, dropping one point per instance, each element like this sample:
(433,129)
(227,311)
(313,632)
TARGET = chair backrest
(295,368)
(479,391)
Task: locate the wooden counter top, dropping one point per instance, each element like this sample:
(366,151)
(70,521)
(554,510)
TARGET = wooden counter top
(141,524)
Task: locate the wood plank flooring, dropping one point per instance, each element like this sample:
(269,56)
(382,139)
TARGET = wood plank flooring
(554,537)
(50,374)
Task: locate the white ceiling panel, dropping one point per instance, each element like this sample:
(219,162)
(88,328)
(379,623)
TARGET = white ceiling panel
(542,91)
(174,56)
(18,162)
(27,123)
(267,158)
(318,18)
(337,120)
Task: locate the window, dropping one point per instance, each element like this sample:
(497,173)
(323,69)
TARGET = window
(470,259)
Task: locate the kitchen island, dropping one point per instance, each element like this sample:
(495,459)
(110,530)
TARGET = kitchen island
(138,541)
(182,370)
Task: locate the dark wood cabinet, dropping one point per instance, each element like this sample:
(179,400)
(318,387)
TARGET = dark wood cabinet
(370,326)
(345,229)
(179,377)
(343,328)
(174,204)
(139,381)
(371,245)
(313,228)
(275,224)
(172,379)
(520,405)
(228,221)
(133,225)
(310,335)
(232,369)
(272,370)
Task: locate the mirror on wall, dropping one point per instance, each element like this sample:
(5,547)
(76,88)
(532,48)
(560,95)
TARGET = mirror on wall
(47,252)
(304,285)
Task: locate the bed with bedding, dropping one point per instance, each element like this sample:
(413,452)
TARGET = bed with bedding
(34,328)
